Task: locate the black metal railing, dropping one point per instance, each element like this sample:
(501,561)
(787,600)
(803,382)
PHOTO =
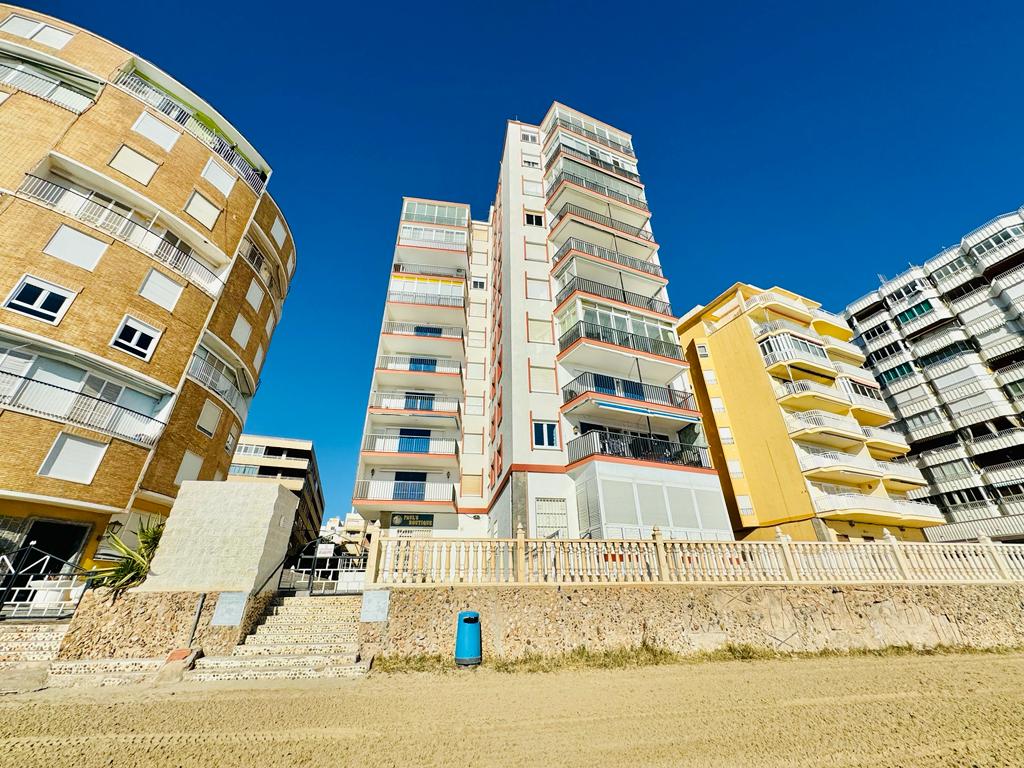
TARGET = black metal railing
(633,390)
(611,292)
(570,152)
(588,134)
(595,186)
(605,221)
(584,330)
(575,244)
(35,584)
(602,443)
(325,567)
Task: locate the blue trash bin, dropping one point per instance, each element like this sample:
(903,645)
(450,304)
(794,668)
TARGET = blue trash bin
(467,639)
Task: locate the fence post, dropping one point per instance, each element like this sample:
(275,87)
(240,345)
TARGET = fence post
(789,569)
(520,554)
(997,557)
(659,549)
(372,557)
(901,560)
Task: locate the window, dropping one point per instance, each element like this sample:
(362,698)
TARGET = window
(221,179)
(241,332)
(745,505)
(3,97)
(474,405)
(244,469)
(531,161)
(161,290)
(545,434)
(702,350)
(710,377)
(903,293)
(39,299)
(473,443)
(539,330)
(529,137)
(472,485)
(278,232)
(136,338)
(257,359)
(479,283)
(946,353)
(901,370)
(190,467)
(231,440)
(435,213)
(542,379)
(538,289)
(476,339)
(73,458)
(884,352)
(536,252)
(533,188)
(876,330)
(735,470)
(552,518)
(209,418)
(271,321)
(254,295)
(725,434)
(202,210)
(717,405)
(917,310)
(75,247)
(36,31)
(534,219)
(997,240)
(475,371)
(156,130)
(134,165)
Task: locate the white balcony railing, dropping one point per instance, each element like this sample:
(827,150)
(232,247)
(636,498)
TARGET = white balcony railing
(767,298)
(800,420)
(829,459)
(444,446)
(45,88)
(210,377)
(866,401)
(64,405)
(403,490)
(401,401)
(787,388)
(842,502)
(417,364)
(795,355)
(889,435)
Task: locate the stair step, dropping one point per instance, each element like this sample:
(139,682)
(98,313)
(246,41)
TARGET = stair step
(289,622)
(15,629)
(300,636)
(29,643)
(91,667)
(289,649)
(304,661)
(352,670)
(38,655)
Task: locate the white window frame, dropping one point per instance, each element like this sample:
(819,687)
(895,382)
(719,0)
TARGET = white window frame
(178,478)
(550,432)
(204,200)
(59,441)
(225,184)
(88,265)
(279,232)
(39,27)
(208,407)
(130,151)
(146,116)
(255,289)
(139,327)
(47,287)
(248,333)
(161,275)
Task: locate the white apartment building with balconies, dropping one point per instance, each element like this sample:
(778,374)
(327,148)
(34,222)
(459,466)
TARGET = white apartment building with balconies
(946,342)
(528,372)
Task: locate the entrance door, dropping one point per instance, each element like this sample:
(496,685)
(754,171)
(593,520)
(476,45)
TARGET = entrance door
(419,401)
(63,541)
(410,486)
(422,364)
(413,440)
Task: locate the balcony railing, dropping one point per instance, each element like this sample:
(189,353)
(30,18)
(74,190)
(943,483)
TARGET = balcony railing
(865,401)
(768,297)
(889,435)
(800,420)
(403,490)
(442,446)
(436,244)
(772,326)
(579,130)
(787,388)
(601,443)
(213,379)
(430,299)
(841,502)
(417,364)
(830,317)
(633,390)
(52,402)
(96,214)
(611,292)
(252,253)
(575,244)
(584,330)
(570,152)
(400,401)
(606,221)
(186,117)
(594,186)
(428,269)
(828,459)
(46,89)
(424,330)
(798,355)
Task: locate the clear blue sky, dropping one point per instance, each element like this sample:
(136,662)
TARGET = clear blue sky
(812,145)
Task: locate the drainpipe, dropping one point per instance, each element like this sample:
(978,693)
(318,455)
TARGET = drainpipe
(195,619)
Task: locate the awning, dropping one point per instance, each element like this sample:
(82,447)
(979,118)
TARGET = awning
(645,411)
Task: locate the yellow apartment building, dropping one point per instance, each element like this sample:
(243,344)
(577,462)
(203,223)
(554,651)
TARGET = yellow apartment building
(795,424)
(143,269)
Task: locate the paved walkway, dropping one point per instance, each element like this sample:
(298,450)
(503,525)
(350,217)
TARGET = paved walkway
(902,711)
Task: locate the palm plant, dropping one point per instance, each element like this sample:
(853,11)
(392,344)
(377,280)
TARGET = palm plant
(132,565)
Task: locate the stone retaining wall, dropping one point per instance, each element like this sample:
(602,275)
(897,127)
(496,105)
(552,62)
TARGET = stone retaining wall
(682,618)
(146,625)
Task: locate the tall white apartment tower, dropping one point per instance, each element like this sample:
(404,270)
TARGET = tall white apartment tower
(946,342)
(528,372)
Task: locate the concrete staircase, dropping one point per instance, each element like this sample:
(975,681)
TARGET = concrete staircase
(299,637)
(26,650)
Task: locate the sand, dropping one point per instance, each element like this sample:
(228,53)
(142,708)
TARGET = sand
(957,710)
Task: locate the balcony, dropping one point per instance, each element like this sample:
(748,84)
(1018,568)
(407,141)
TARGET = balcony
(598,443)
(930,430)
(824,428)
(586,346)
(1005,473)
(885,443)
(442,341)
(432,270)
(805,395)
(901,475)
(882,510)
(415,410)
(414,372)
(373,497)
(837,466)
(568,187)
(405,306)
(937,314)
(591,396)
(870,410)
(45,88)
(411,451)
(186,117)
(831,323)
(88,210)
(579,130)
(66,406)
(578,221)
(780,362)
(601,264)
(259,262)
(845,348)
(628,298)
(214,380)
(564,151)
(1005,527)
(779,303)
